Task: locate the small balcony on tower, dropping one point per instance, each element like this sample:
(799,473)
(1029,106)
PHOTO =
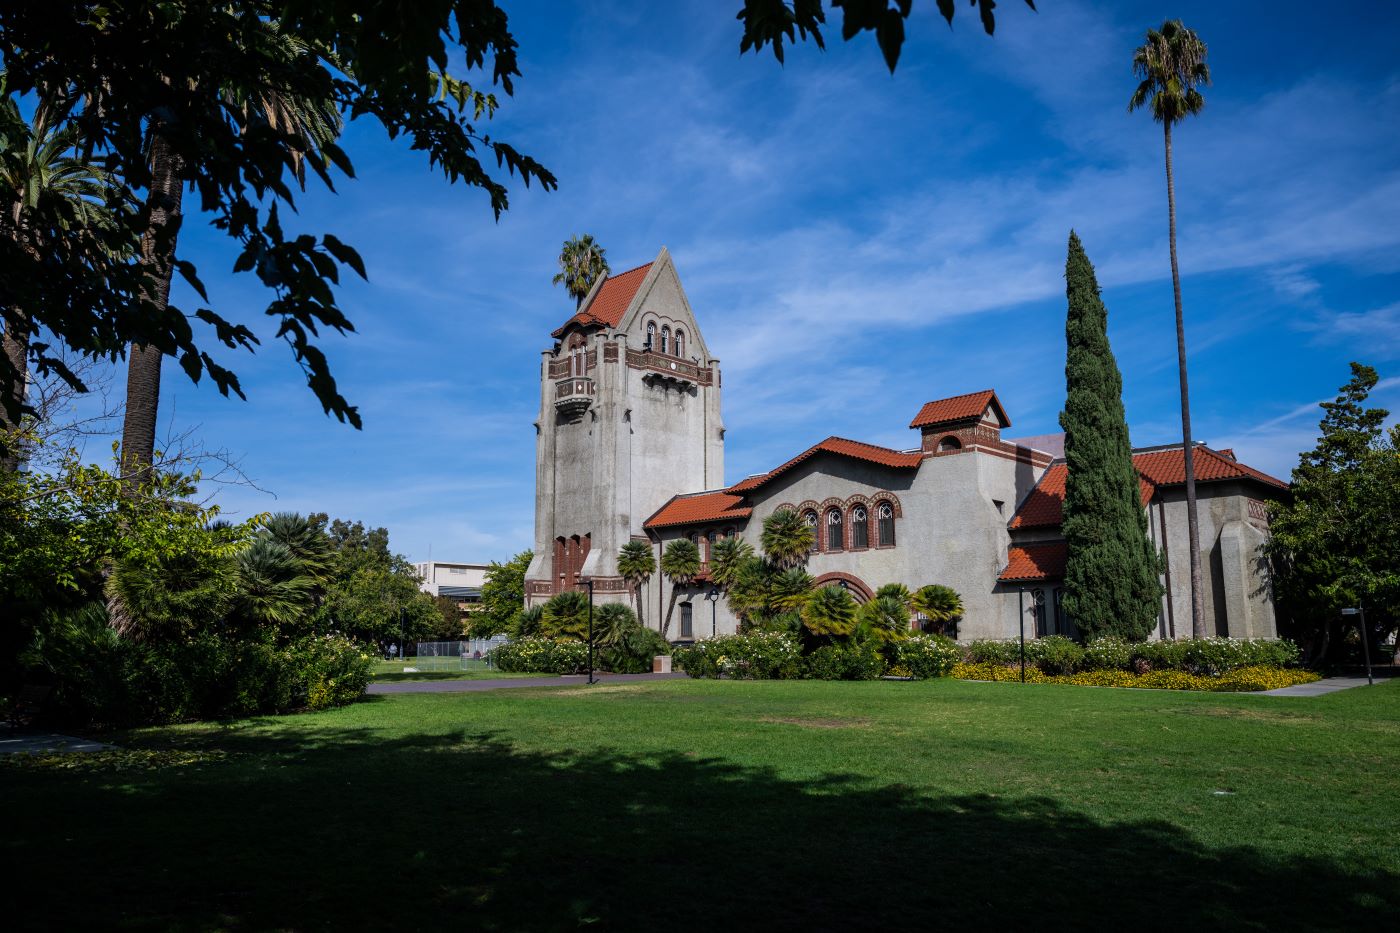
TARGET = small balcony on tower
(574,395)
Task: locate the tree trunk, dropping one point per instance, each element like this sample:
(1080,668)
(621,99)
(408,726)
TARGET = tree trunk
(1198,606)
(15,344)
(143,366)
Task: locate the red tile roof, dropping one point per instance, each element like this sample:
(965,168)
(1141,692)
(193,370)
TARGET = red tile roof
(699,507)
(1034,562)
(959,408)
(613,298)
(1044,507)
(1168,467)
(846,448)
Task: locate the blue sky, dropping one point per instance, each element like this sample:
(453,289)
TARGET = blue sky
(854,244)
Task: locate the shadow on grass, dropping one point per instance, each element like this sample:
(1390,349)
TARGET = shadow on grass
(310,829)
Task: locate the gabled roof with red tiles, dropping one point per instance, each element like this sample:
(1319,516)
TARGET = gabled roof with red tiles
(1044,507)
(1029,562)
(611,301)
(959,408)
(841,447)
(699,507)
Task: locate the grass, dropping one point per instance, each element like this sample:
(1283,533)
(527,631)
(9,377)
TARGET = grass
(701,805)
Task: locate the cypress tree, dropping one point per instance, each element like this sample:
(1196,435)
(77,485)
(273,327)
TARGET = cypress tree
(1111,583)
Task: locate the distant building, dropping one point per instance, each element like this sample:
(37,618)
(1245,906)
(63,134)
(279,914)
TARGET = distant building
(630,447)
(460,582)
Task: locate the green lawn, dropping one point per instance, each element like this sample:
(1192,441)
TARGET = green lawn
(684,805)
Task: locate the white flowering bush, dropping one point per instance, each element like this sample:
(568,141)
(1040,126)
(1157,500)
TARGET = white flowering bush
(546,655)
(1208,657)
(927,655)
(755,656)
(1109,653)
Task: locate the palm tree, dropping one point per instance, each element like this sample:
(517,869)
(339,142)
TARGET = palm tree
(830,612)
(581,263)
(306,541)
(307,123)
(727,556)
(611,624)
(938,604)
(1171,63)
(748,590)
(786,539)
(680,562)
(44,185)
(636,563)
(270,591)
(527,622)
(886,617)
(789,590)
(566,616)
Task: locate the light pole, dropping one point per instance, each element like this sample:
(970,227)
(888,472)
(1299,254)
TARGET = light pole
(713,597)
(589,584)
(1021,603)
(1365,641)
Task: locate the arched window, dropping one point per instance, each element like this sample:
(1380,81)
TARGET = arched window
(860,527)
(835,526)
(884,515)
(710,544)
(651,336)
(810,518)
(680,342)
(665,340)
(949,444)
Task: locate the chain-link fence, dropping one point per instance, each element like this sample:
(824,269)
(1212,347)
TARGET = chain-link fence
(463,655)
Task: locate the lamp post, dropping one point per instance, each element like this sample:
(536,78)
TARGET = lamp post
(713,597)
(1021,604)
(1365,641)
(589,584)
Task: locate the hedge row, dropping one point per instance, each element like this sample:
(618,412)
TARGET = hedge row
(1242,679)
(1206,657)
(778,656)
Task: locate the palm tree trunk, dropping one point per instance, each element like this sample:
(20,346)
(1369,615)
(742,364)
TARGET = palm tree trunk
(1198,608)
(143,366)
(15,344)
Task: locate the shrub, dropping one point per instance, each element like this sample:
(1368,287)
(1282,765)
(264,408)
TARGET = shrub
(1109,653)
(326,671)
(988,670)
(1214,656)
(547,655)
(1055,654)
(996,652)
(845,662)
(927,655)
(755,656)
(633,651)
(1242,679)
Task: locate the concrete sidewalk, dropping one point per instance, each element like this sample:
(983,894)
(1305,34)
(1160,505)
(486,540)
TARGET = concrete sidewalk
(37,743)
(1317,688)
(506,683)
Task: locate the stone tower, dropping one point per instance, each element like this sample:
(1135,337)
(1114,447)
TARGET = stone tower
(629,416)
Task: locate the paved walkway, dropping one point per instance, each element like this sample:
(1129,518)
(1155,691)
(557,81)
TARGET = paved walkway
(506,683)
(1318,687)
(40,742)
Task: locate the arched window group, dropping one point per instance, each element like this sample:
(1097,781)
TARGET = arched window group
(848,526)
(672,344)
(569,555)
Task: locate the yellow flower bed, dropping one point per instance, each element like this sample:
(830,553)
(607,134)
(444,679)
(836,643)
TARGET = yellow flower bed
(1241,680)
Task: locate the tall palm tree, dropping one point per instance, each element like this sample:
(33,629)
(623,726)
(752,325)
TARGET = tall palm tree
(44,185)
(941,605)
(581,263)
(680,562)
(1171,63)
(636,563)
(786,539)
(307,123)
(789,590)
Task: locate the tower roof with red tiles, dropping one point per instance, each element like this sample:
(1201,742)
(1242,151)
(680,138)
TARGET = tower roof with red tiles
(608,301)
(946,411)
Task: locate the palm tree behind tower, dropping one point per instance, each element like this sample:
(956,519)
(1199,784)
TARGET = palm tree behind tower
(581,263)
(309,124)
(1171,63)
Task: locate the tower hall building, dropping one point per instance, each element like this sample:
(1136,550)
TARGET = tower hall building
(630,446)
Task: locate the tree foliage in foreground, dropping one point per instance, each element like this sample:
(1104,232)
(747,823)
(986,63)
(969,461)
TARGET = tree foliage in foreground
(773,22)
(1336,543)
(115,66)
(1111,583)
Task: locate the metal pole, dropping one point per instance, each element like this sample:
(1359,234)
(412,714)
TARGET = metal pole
(1366,646)
(589,584)
(1021,602)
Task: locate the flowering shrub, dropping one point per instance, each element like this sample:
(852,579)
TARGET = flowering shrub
(330,670)
(755,656)
(1055,654)
(845,662)
(1108,653)
(926,656)
(996,652)
(1240,680)
(549,655)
